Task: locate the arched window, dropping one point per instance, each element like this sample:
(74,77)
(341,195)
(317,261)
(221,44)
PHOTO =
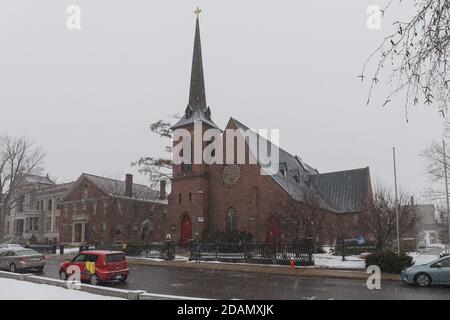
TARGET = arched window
(179,198)
(231,220)
(190,196)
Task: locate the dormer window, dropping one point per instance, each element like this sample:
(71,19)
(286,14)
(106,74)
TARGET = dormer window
(283,169)
(208,113)
(296,175)
(188,112)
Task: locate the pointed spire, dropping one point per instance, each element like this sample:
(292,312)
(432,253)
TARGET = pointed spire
(196,110)
(197,98)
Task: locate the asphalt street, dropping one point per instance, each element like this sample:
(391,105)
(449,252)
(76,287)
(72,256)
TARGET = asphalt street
(221,284)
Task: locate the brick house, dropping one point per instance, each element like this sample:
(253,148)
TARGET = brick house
(99,209)
(296,202)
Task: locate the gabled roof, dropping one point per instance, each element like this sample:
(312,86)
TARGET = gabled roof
(35,179)
(339,192)
(346,191)
(116,188)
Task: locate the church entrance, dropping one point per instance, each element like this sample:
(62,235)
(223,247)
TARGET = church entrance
(273,230)
(185,230)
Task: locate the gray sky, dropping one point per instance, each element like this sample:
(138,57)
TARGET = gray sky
(88,96)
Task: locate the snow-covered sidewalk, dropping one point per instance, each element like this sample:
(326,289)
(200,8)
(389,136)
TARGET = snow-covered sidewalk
(22,290)
(327,260)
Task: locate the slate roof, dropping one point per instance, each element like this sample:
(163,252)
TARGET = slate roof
(346,191)
(339,192)
(116,188)
(35,179)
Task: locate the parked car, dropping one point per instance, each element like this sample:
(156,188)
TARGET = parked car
(434,273)
(108,266)
(10,245)
(19,259)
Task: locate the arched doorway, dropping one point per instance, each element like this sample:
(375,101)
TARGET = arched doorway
(273,230)
(186,234)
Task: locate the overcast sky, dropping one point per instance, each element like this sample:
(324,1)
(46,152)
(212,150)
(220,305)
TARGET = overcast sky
(88,96)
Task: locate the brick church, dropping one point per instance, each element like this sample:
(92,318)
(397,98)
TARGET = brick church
(295,202)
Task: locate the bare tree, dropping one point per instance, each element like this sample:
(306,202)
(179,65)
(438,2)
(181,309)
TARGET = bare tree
(158,168)
(18,157)
(417,52)
(379,219)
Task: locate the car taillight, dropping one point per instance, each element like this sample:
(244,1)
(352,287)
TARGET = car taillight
(43,258)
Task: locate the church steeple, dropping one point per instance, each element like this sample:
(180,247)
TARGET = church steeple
(197,98)
(197,110)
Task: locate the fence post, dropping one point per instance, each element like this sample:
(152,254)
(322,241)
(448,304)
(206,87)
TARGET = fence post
(245,251)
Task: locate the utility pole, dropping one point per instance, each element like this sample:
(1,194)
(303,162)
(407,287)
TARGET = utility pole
(446,191)
(396,203)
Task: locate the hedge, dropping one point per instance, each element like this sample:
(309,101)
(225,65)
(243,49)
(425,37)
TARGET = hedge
(389,261)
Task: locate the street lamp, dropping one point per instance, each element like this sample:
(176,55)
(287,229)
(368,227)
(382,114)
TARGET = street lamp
(446,191)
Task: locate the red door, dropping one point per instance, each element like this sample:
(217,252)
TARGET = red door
(273,230)
(185,230)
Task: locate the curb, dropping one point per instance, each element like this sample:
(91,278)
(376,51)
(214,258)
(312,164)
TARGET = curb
(278,270)
(104,291)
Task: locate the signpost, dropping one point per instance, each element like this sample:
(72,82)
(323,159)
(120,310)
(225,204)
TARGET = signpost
(359,240)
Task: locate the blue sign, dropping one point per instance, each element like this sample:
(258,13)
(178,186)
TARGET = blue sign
(360,240)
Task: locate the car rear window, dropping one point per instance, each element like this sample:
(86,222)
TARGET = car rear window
(115,257)
(28,252)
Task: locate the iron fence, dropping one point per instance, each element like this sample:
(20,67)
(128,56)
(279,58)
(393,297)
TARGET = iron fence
(261,253)
(165,250)
(42,248)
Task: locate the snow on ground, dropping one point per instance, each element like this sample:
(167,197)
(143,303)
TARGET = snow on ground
(327,260)
(68,250)
(419,258)
(11,289)
(177,258)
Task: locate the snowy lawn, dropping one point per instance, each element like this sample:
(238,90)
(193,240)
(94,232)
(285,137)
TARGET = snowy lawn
(68,250)
(327,260)
(422,258)
(22,290)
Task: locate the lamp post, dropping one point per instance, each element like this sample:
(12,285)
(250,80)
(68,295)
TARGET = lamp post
(446,191)
(396,204)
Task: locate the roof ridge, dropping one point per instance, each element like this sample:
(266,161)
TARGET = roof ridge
(115,180)
(342,171)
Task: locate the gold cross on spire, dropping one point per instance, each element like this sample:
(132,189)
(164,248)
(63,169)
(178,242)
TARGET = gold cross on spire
(197,11)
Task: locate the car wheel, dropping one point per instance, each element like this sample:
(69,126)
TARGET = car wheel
(124,279)
(422,280)
(12,268)
(63,276)
(94,280)
(40,269)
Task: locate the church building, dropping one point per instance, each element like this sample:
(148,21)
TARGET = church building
(294,202)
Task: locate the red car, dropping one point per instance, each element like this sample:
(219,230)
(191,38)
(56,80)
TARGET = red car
(97,267)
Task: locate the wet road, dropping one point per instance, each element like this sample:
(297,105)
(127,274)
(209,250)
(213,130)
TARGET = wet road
(220,284)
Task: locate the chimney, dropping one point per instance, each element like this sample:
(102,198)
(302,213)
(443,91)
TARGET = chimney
(412,200)
(128,185)
(162,189)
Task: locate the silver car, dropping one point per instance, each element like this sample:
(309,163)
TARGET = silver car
(19,259)
(10,246)
(436,272)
